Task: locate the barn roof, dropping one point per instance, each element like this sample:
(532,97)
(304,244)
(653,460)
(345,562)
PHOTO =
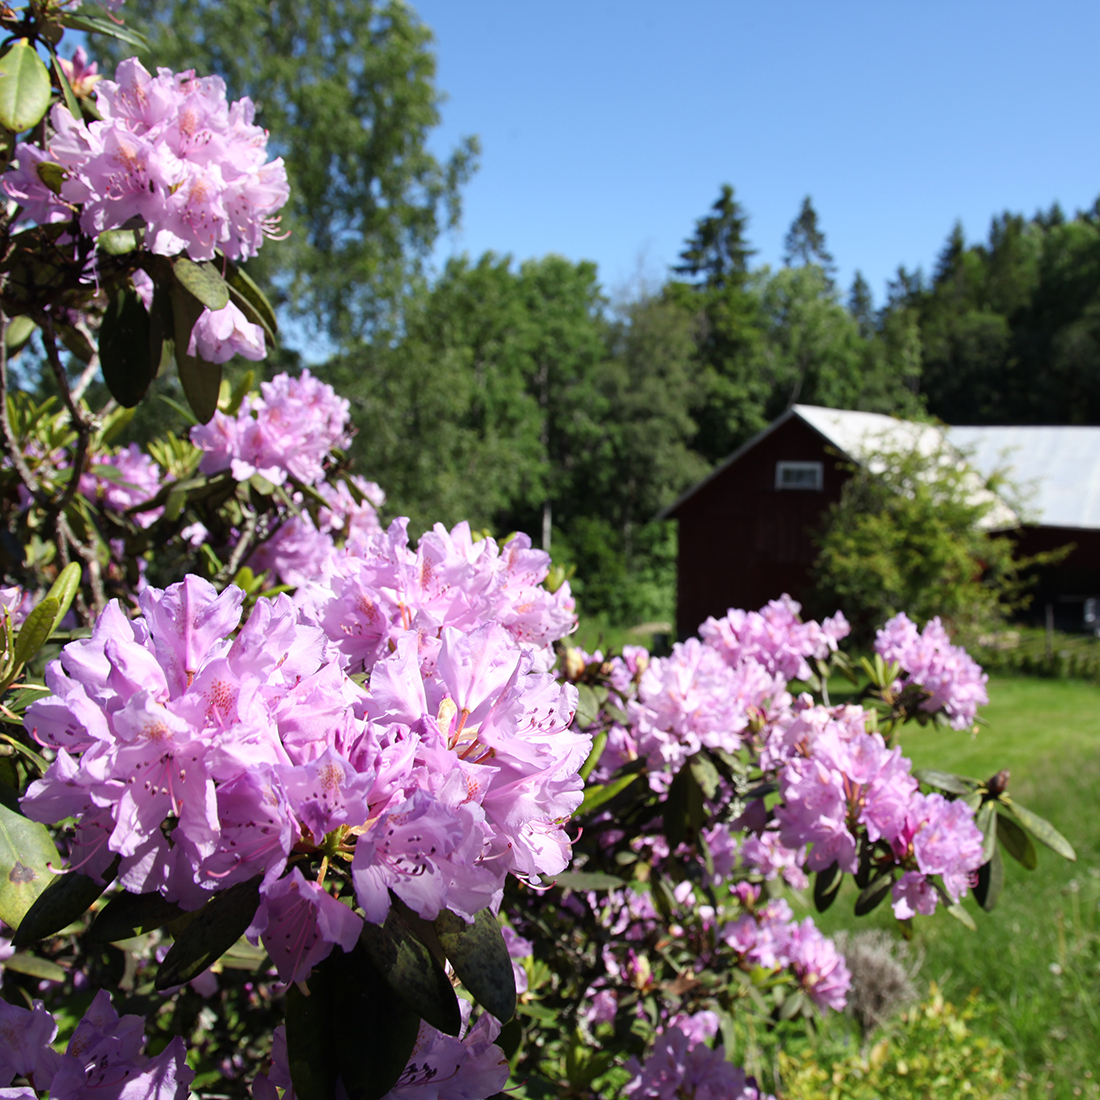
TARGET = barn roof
(1056,468)
(856,434)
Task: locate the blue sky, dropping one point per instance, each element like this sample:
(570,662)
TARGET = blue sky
(607,126)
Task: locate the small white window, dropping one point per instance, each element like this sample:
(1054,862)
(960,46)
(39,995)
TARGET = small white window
(799,475)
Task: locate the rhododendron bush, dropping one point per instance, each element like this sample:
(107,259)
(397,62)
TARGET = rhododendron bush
(340,812)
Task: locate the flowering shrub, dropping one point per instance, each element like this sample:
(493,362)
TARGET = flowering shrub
(281,737)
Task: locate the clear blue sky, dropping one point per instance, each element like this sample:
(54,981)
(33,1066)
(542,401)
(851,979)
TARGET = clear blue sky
(607,126)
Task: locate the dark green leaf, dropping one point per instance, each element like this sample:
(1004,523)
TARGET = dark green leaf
(219,924)
(1041,829)
(376,1030)
(873,896)
(36,628)
(51,174)
(587,880)
(826,886)
(240,282)
(162,333)
(201,380)
(945,781)
(124,348)
(25,91)
(312,1037)
(685,812)
(202,281)
(25,850)
(991,880)
(412,972)
(65,899)
(1016,842)
(127,915)
(99,24)
(987,822)
(480,958)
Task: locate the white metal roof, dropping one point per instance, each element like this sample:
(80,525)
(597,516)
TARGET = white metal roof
(1055,470)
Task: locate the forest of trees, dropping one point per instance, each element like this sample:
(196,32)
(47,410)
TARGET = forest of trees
(515,394)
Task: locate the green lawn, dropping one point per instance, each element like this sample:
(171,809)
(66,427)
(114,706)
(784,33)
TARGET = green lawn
(1036,958)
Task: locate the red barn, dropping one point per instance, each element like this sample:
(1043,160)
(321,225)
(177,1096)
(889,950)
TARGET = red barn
(746,530)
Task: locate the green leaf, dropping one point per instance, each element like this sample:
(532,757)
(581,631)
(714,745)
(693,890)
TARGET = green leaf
(219,924)
(162,333)
(201,380)
(311,1037)
(587,880)
(962,916)
(117,242)
(124,349)
(385,1028)
(1041,829)
(991,880)
(987,822)
(603,792)
(1016,842)
(64,900)
(36,967)
(64,589)
(599,743)
(20,329)
(827,886)
(25,91)
(25,850)
(874,895)
(240,391)
(412,972)
(685,812)
(36,628)
(480,958)
(66,88)
(202,281)
(588,705)
(51,174)
(792,1005)
(705,774)
(99,24)
(127,915)
(247,289)
(187,414)
(945,781)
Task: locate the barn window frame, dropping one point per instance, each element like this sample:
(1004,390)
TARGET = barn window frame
(800,476)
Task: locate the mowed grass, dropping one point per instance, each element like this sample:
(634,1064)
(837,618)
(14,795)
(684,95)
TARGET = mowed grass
(1036,958)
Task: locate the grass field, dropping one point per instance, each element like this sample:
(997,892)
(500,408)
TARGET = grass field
(1036,958)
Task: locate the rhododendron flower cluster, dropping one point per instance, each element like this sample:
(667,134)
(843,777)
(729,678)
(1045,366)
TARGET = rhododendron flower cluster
(289,430)
(103,1058)
(769,937)
(169,150)
(682,1066)
(122,481)
(841,779)
(201,760)
(378,588)
(775,637)
(952,678)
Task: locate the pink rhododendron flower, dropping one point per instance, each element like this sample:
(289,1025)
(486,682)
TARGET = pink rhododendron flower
(952,678)
(220,334)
